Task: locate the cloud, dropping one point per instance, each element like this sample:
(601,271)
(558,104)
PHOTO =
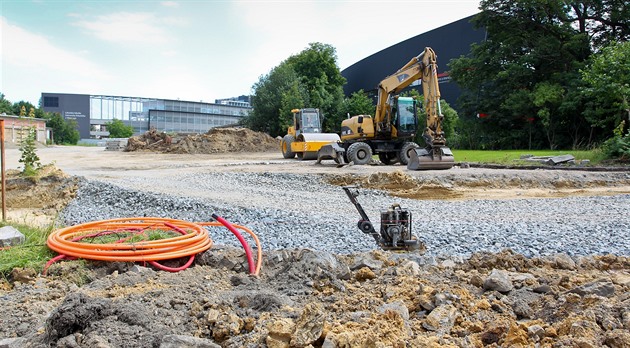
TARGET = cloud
(169,4)
(32,64)
(24,49)
(128,27)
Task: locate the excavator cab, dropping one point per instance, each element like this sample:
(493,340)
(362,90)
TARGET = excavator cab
(405,117)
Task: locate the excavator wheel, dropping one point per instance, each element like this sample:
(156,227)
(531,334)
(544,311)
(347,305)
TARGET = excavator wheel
(388,158)
(360,153)
(286,146)
(405,152)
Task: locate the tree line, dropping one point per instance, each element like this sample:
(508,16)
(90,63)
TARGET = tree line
(550,75)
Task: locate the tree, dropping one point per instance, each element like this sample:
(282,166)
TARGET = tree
(5,106)
(309,79)
(358,104)
(532,48)
(607,86)
(29,155)
(267,100)
(118,129)
(64,131)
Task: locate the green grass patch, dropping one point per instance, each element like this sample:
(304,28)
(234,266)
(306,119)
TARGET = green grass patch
(32,254)
(131,237)
(512,157)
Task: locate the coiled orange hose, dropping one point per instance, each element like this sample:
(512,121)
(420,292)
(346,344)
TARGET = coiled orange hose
(194,239)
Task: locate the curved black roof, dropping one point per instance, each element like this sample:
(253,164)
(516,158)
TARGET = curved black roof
(448,42)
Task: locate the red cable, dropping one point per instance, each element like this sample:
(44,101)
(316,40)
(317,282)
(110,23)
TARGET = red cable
(248,250)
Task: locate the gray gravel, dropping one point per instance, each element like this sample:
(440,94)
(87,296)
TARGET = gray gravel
(302,211)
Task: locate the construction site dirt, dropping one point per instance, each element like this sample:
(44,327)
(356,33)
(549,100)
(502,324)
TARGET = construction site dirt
(306,297)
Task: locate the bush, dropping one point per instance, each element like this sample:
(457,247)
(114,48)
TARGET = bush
(618,147)
(118,129)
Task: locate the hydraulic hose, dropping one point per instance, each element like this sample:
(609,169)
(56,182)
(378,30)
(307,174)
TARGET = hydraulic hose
(248,250)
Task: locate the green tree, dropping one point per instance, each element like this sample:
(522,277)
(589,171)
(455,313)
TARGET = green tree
(308,79)
(29,156)
(607,86)
(64,131)
(5,106)
(358,104)
(532,47)
(267,100)
(118,129)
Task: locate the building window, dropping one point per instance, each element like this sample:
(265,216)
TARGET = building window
(51,102)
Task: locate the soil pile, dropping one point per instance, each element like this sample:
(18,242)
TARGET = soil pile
(37,199)
(216,140)
(306,298)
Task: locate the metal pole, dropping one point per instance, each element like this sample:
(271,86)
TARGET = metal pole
(4,181)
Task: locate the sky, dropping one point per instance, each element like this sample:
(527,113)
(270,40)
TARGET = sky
(192,50)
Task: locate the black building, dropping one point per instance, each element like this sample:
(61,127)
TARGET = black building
(450,41)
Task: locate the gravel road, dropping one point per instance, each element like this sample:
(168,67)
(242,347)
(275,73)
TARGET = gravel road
(289,204)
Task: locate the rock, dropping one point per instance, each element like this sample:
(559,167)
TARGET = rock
(365,273)
(10,342)
(344,273)
(600,288)
(309,326)
(585,329)
(498,281)
(182,341)
(617,339)
(396,306)
(10,236)
(476,280)
(409,268)
(441,319)
(542,289)
(448,264)
(563,261)
(141,270)
(280,332)
(367,262)
(536,332)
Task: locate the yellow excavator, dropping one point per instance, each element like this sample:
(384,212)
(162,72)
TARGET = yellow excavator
(391,131)
(304,138)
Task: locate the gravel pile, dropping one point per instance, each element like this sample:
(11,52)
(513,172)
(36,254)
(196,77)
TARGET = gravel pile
(302,211)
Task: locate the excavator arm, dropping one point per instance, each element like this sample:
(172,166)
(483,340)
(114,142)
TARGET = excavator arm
(424,67)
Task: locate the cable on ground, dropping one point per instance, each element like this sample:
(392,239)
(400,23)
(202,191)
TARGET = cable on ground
(131,242)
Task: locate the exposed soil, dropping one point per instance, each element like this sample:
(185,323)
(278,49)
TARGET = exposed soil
(216,140)
(305,298)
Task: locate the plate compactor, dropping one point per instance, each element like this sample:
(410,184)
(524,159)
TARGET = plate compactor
(395,231)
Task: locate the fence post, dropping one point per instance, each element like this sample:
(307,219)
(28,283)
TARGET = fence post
(3,174)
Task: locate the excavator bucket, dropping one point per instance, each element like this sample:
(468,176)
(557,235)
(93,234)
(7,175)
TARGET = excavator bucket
(332,151)
(430,159)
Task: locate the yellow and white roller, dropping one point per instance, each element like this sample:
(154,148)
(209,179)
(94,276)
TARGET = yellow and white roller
(306,145)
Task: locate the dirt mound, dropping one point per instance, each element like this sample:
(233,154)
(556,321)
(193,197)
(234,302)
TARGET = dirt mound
(398,184)
(37,199)
(216,140)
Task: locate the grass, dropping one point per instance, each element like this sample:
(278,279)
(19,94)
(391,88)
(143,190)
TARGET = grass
(513,156)
(32,254)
